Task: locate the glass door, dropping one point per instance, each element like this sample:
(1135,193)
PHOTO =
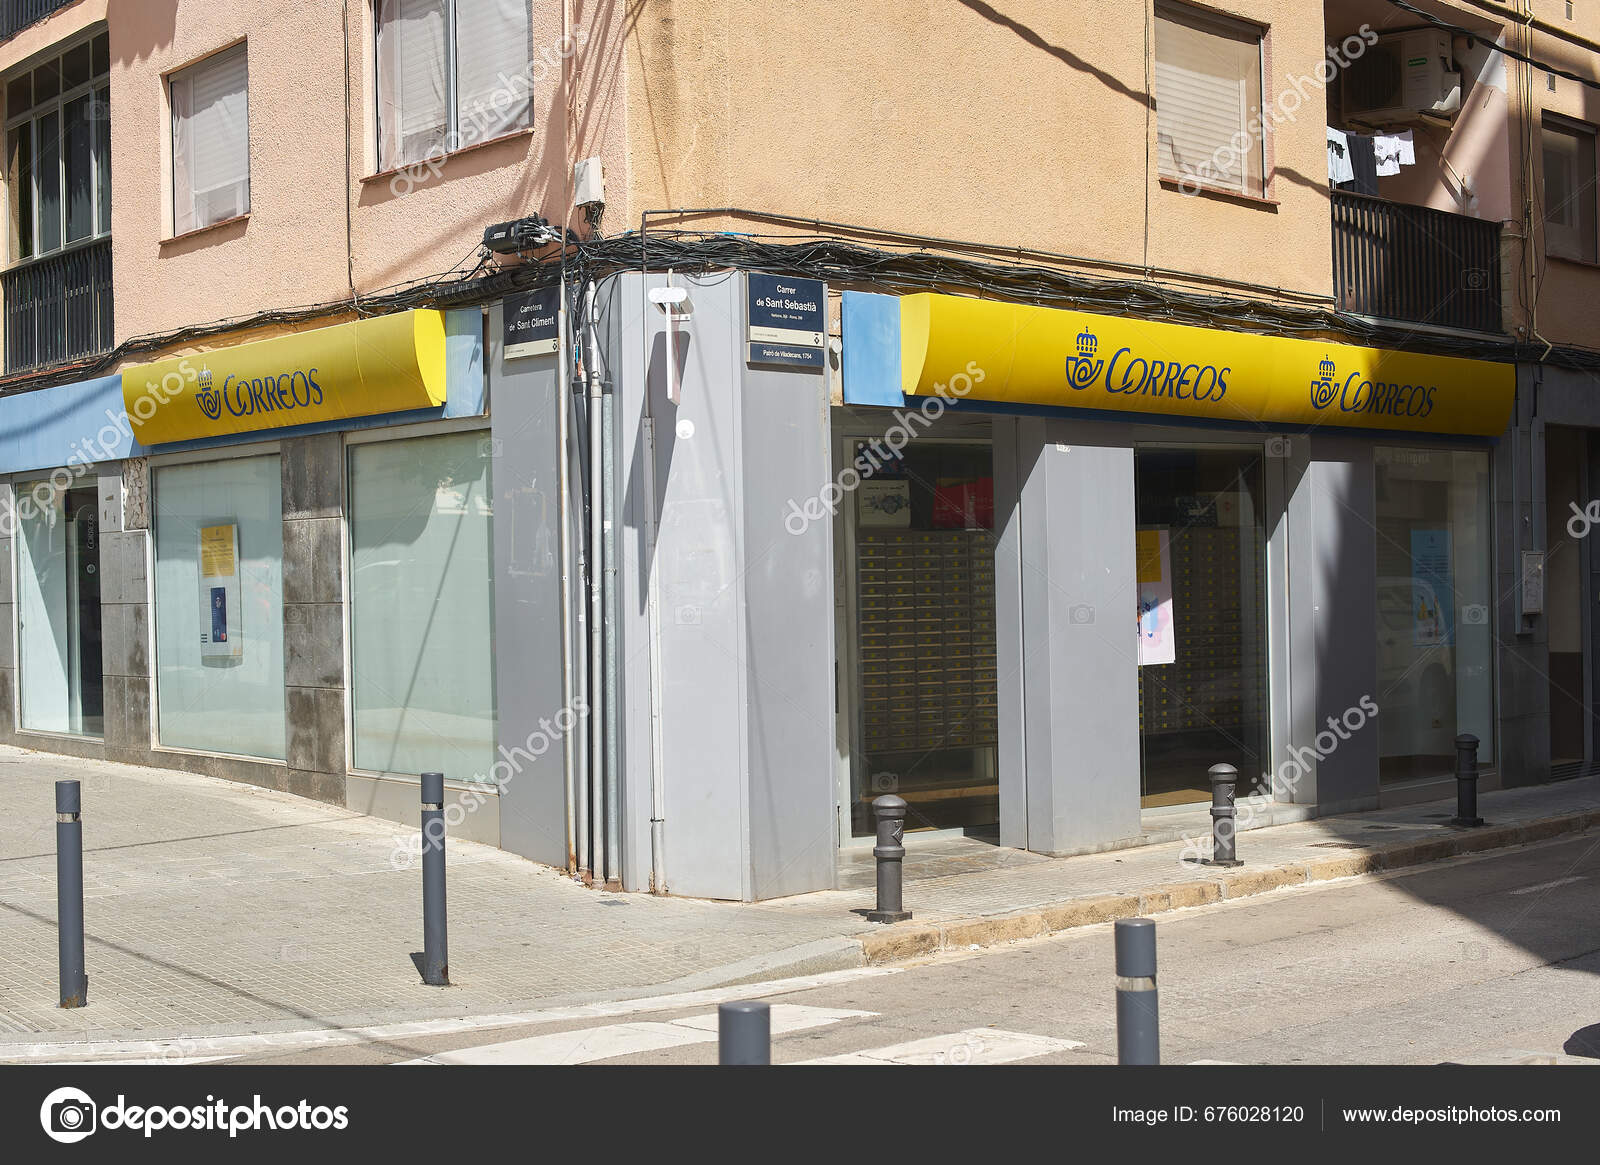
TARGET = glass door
(1202,570)
(58,586)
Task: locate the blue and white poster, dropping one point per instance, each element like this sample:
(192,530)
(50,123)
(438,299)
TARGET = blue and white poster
(1432,589)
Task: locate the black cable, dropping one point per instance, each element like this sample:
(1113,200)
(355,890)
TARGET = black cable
(1461,30)
(850,264)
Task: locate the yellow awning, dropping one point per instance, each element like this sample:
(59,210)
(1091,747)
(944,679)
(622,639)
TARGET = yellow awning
(386,364)
(1004,352)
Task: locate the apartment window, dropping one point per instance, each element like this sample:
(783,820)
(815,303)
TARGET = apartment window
(1569,190)
(210,141)
(1208,101)
(451,73)
(58,150)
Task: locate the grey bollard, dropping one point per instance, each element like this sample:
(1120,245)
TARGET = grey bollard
(891,811)
(1467,782)
(744,1033)
(435,944)
(69,893)
(1138,1019)
(1224,819)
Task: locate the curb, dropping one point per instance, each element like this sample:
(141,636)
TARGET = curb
(911,940)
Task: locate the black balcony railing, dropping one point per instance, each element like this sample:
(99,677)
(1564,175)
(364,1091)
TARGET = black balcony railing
(16,15)
(58,308)
(1414,263)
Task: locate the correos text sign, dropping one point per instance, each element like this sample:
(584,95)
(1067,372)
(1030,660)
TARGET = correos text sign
(386,364)
(1049,356)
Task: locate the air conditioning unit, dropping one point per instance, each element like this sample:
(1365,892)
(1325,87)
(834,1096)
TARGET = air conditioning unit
(1403,77)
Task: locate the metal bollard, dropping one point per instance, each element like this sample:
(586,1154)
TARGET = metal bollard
(744,1033)
(1138,1026)
(435,944)
(1224,831)
(69,893)
(891,811)
(1467,782)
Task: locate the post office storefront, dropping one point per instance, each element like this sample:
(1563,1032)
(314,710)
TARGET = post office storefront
(1083,558)
(271,561)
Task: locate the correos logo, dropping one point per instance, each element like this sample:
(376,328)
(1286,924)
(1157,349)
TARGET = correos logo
(68,1115)
(1355,395)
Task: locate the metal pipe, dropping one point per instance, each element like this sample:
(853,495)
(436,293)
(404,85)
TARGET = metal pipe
(573,466)
(597,691)
(658,808)
(569,743)
(613,725)
(69,894)
(435,928)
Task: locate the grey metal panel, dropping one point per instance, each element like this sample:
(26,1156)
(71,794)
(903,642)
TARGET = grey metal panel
(788,612)
(1522,726)
(1300,718)
(1341,562)
(621,305)
(1010,641)
(1081,667)
(701,590)
(527,600)
(744,608)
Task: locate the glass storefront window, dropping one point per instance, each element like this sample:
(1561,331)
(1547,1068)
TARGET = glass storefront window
(58,618)
(1201,556)
(422,603)
(923,622)
(219,606)
(1434,608)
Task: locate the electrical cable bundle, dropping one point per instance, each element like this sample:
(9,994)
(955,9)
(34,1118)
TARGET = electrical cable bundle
(907,264)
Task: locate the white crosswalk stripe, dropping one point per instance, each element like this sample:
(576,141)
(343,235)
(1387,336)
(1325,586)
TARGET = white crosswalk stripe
(979,1045)
(587,1045)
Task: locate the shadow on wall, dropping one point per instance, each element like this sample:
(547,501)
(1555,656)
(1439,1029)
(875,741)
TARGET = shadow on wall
(140,28)
(989,13)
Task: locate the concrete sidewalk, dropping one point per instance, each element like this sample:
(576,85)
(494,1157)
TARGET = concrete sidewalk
(215,908)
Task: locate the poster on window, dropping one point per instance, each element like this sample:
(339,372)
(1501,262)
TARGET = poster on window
(1157,636)
(221,630)
(1432,589)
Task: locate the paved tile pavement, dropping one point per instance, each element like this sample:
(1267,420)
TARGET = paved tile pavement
(214,907)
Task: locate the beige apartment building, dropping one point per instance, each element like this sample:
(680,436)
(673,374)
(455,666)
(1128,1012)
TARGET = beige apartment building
(682,423)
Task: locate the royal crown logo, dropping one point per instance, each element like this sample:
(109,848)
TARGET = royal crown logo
(209,399)
(1083,368)
(1323,389)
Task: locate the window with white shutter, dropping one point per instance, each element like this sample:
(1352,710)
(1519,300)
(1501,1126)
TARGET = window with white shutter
(494,85)
(1570,199)
(1208,101)
(210,141)
(413,81)
(450,74)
